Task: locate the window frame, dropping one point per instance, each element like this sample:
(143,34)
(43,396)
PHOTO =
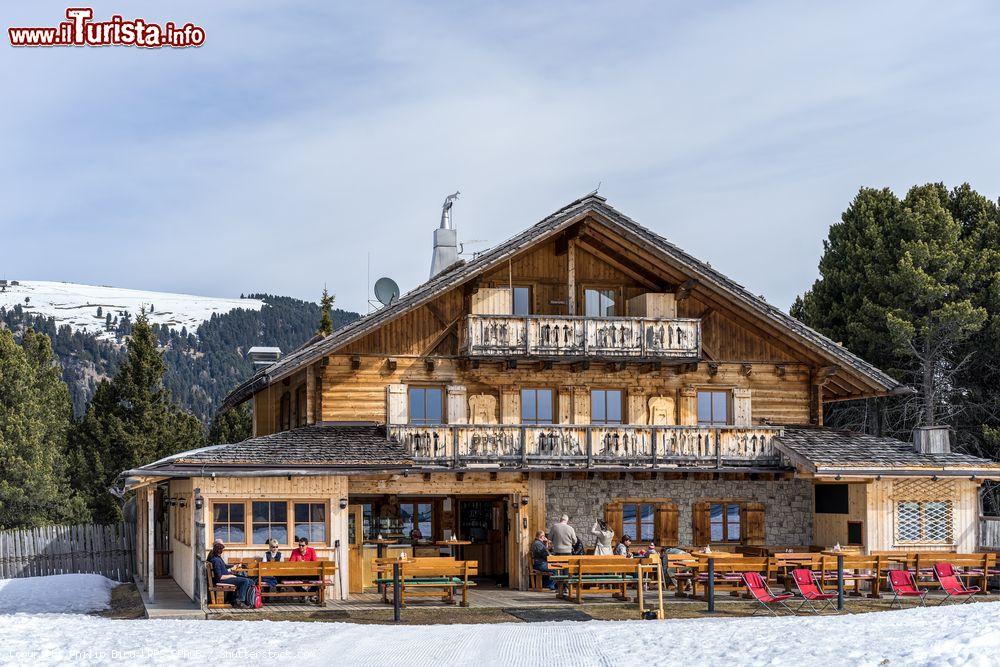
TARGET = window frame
(922,522)
(414,504)
(602,292)
(228,522)
(726,537)
(530,300)
(553,402)
(621,407)
(409,405)
(713,421)
(634,530)
(301,405)
(247,524)
(269,523)
(285,411)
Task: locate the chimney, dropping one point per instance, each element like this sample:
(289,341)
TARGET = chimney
(445,239)
(932,439)
(262,357)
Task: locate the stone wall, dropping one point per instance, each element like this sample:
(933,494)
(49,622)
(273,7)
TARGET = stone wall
(788,504)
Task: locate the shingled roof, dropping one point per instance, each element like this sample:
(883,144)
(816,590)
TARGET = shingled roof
(550,226)
(348,446)
(832,451)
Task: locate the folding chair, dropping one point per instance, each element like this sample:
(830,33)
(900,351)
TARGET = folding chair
(903,585)
(762,594)
(951,584)
(805,581)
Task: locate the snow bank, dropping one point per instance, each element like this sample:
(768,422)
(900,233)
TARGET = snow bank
(58,594)
(956,635)
(76,305)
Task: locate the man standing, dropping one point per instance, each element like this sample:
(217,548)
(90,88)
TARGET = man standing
(540,558)
(563,537)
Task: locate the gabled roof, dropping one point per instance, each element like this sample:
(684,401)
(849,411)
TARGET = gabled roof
(329,446)
(591,205)
(827,451)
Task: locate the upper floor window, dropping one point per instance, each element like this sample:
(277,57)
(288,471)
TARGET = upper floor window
(713,408)
(426,405)
(606,406)
(285,412)
(536,406)
(521,301)
(300,406)
(599,302)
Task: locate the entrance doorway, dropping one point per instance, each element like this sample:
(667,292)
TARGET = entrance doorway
(483,522)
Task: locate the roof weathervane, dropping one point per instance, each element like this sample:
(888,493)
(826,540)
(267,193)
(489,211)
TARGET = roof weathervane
(446,210)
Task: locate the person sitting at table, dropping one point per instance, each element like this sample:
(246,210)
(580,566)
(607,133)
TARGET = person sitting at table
(621,549)
(222,574)
(540,559)
(272,555)
(304,552)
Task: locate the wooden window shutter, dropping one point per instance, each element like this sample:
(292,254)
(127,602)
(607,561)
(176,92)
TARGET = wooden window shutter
(700,523)
(613,517)
(742,413)
(687,406)
(753,524)
(396,406)
(667,528)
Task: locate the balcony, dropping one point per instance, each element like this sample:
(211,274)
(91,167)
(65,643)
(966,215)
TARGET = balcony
(551,337)
(592,446)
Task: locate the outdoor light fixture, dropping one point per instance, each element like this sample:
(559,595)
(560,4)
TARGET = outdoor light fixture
(837,478)
(343,503)
(934,478)
(199,502)
(524,500)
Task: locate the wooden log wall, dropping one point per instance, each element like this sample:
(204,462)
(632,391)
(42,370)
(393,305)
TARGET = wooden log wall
(108,550)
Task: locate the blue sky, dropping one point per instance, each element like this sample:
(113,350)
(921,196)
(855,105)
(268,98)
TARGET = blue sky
(305,135)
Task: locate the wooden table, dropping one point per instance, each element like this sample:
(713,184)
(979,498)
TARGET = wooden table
(718,555)
(451,544)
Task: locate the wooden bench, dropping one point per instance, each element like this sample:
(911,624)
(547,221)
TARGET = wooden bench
(605,575)
(427,578)
(857,570)
(782,564)
(293,576)
(557,563)
(216,591)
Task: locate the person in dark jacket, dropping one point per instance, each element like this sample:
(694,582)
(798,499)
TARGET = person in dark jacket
(222,574)
(540,558)
(272,555)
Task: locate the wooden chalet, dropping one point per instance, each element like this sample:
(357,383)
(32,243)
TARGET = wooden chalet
(586,366)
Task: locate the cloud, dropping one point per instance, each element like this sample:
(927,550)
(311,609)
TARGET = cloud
(302,138)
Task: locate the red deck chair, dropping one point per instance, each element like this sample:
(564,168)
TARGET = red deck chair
(762,594)
(903,585)
(952,585)
(805,581)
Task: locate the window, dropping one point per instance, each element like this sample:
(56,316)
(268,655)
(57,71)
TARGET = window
(599,302)
(536,406)
(418,516)
(270,519)
(522,301)
(310,521)
(639,521)
(713,408)
(426,405)
(229,522)
(724,522)
(300,406)
(924,521)
(831,499)
(285,412)
(606,406)
(855,533)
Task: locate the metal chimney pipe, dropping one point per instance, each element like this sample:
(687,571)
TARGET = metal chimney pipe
(445,239)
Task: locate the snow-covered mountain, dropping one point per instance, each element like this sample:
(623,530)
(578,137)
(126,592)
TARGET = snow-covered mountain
(76,305)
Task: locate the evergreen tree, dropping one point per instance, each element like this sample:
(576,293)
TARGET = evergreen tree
(231,426)
(325,305)
(130,422)
(100,312)
(34,419)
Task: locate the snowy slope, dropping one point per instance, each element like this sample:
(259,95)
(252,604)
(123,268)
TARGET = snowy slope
(57,594)
(76,305)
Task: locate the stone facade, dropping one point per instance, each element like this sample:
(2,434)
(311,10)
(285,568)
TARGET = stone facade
(788,504)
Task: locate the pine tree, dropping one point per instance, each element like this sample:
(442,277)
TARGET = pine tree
(325,305)
(231,426)
(100,312)
(130,422)
(35,414)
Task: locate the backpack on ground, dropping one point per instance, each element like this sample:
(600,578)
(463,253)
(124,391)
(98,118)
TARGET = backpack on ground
(253,597)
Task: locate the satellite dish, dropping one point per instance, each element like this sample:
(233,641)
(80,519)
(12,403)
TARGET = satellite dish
(386,291)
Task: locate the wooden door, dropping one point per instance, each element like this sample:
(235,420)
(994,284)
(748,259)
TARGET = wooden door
(356,539)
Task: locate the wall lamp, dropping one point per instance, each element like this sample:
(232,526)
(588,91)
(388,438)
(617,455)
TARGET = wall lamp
(525,500)
(199,502)
(343,503)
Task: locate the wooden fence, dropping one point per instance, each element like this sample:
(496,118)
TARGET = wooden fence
(989,533)
(100,549)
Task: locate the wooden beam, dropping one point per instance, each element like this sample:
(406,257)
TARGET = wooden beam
(571,278)
(746,370)
(390,363)
(607,258)
(713,369)
(653,367)
(780,370)
(579,366)
(429,365)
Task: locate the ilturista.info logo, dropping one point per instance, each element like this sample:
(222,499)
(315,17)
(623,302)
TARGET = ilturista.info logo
(80,29)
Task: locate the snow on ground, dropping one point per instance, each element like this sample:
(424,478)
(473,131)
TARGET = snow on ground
(76,305)
(61,593)
(955,635)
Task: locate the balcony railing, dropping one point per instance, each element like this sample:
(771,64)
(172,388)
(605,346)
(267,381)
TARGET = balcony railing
(658,447)
(563,337)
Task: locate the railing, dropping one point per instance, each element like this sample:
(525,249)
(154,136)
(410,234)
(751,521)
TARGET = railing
(545,336)
(589,445)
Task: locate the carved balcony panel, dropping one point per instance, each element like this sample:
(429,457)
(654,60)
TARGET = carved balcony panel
(560,337)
